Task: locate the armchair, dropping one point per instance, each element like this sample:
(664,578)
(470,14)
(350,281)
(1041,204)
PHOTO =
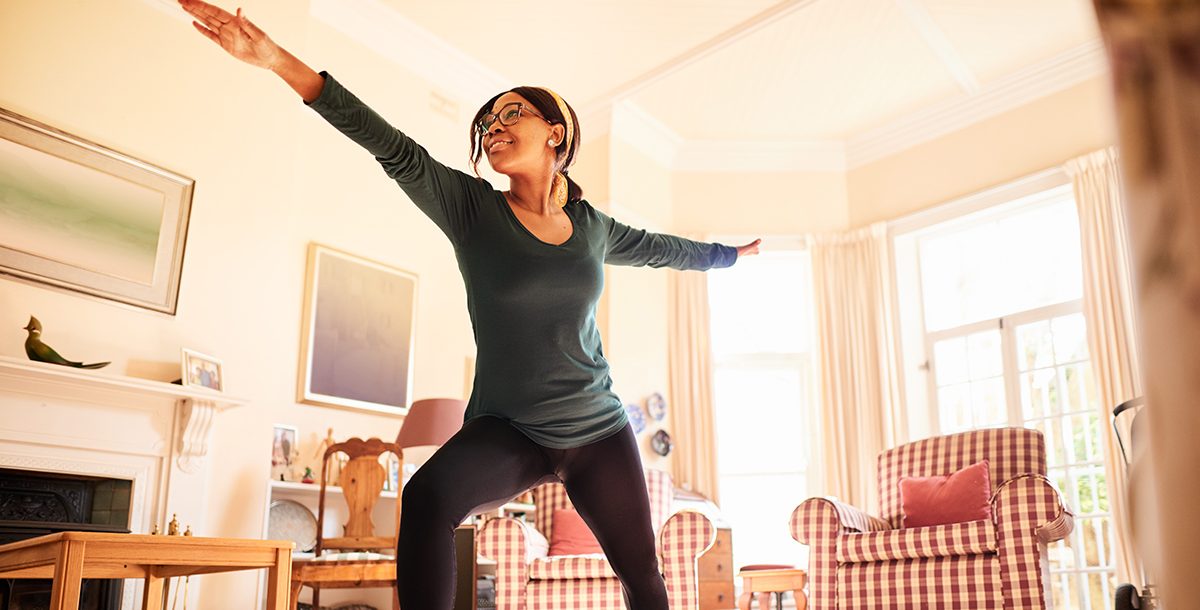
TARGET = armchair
(527,579)
(861,561)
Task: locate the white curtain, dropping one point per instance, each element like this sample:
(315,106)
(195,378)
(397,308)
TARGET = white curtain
(1108,307)
(694,460)
(861,397)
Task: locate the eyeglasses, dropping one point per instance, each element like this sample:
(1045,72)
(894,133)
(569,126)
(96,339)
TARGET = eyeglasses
(509,114)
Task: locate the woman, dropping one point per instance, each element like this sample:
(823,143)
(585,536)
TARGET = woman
(532,260)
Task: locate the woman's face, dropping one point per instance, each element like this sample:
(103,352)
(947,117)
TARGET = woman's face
(524,145)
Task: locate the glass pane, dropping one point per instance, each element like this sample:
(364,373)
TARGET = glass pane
(1097,594)
(1039,393)
(1091,548)
(1104,528)
(987,267)
(778,319)
(1079,449)
(954,409)
(1035,348)
(1056,453)
(950,360)
(744,398)
(758,507)
(983,355)
(1060,593)
(1070,338)
(1075,395)
(1084,486)
(987,403)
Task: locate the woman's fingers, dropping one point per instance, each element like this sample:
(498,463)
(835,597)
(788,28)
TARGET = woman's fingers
(207,32)
(206,13)
(251,30)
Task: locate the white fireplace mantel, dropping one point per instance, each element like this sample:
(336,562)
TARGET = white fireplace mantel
(196,406)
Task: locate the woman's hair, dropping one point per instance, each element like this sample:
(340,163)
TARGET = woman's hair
(543,101)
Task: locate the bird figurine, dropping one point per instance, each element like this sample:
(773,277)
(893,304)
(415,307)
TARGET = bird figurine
(40,352)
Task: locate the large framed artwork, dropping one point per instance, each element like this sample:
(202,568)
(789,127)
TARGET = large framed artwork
(78,216)
(357,340)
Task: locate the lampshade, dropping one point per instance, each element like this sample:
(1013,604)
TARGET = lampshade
(431,421)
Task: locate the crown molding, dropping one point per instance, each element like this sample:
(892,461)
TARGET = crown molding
(759,156)
(403,41)
(1017,89)
(643,131)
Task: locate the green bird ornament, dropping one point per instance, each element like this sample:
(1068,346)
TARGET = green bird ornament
(40,352)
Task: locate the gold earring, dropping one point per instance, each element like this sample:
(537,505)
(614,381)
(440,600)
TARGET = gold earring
(558,191)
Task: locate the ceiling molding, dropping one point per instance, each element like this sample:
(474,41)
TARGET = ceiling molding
(643,131)
(1017,89)
(389,33)
(746,28)
(751,156)
(920,18)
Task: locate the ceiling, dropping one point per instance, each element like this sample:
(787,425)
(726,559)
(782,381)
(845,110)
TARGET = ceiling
(762,71)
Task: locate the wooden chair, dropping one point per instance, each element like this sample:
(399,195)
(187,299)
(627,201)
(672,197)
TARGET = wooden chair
(353,559)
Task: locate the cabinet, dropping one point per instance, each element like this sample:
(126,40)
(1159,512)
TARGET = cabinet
(716,573)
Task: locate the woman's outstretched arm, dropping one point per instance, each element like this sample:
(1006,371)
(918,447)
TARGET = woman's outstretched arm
(239,37)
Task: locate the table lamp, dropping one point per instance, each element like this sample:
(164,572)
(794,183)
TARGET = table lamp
(429,424)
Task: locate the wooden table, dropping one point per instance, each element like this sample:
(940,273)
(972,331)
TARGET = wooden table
(766,582)
(69,557)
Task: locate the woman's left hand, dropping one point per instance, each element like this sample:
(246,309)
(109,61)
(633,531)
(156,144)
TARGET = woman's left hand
(749,249)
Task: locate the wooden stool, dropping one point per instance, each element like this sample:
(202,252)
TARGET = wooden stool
(764,582)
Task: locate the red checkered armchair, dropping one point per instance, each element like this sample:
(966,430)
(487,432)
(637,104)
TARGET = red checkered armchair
(865,562)
(526,579)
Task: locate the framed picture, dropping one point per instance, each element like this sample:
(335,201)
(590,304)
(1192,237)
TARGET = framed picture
(77,216)
(284,451)
(357,339)
(202,371)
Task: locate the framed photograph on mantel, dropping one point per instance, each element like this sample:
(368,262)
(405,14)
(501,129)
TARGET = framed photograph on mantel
(357,340)
(78,216)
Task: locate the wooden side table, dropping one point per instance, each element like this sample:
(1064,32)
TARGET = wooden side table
(766,582)
(69,557)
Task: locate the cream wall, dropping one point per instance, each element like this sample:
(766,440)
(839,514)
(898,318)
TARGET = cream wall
(1028,139)
(759,203)
(271,176)
(636,297)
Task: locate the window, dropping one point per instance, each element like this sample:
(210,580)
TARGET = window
(762,338)
(993,300)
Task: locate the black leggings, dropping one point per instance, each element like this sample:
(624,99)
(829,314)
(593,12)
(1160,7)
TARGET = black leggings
(488,463)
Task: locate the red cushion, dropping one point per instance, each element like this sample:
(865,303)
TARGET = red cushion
(955,498)
(570,535)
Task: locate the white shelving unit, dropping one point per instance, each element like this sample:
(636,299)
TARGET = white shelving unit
(383,516)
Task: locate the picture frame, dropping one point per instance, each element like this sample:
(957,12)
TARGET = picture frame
(284,451)
(359,323)
(203,371)
(80,217)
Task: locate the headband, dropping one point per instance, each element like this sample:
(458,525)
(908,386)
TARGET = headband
(566,112)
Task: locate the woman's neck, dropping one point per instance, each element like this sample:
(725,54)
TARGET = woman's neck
(532,192)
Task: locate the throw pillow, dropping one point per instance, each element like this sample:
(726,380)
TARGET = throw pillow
(569,535)
(954,498)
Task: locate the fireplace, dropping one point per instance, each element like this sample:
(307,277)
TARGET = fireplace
(37,503)
(108,453)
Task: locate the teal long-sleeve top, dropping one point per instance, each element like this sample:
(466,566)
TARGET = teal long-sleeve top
(539,362)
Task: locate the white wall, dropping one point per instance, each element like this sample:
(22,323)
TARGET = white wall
(271,176)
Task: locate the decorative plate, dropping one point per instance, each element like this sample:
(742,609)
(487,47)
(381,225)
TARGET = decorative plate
(637,418)
(661,443)
(291,520)
(656,406)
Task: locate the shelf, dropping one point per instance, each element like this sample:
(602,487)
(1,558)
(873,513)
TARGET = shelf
(84,382)
(315,488)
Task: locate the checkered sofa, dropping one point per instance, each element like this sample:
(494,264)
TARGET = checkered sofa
(865,562)
(526,579)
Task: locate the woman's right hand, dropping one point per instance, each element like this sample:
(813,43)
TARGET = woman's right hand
(235,34)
